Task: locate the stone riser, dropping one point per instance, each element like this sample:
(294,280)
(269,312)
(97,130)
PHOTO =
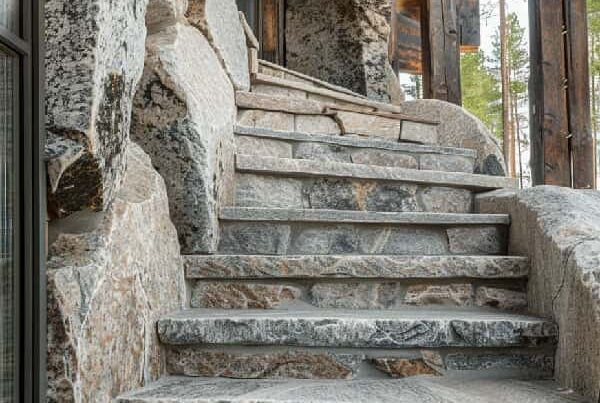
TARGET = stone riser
(298,363)
(370,156)
(292,238)
(505,295)
(348,194)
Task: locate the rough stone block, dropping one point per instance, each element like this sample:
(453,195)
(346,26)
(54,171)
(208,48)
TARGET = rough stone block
(255,238)
(477,240)
(501,298)
(266,119)
(419,132)
(451,294)
(384,158)
(273,365)
(184,115)
(404,368)
(316,124)
(228,295)
(357,295)
(164,13)
(448,163)
(368,125)
(446,200)
(322,152)
(263,191)
(94,60)
(279,91)
(219,21)
(110,276)
(263,147)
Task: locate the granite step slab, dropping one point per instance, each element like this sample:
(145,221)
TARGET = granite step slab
(204,267)
(409,327)
(457,389)
(243,362)
(313,168)
(260,231)
(325,193)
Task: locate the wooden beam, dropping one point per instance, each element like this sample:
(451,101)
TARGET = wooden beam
(580,120)
(550,160)
(441,51)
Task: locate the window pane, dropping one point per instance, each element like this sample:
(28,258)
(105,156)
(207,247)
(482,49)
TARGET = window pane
(8,193)
(10,15)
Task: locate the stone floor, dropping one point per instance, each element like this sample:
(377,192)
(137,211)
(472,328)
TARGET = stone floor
(456,388)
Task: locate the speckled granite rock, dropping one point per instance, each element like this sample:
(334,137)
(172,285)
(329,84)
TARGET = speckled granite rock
(450,294)
(242,295)
(286,364)
(94,59)
(459,128)
(219,21)
(405,328)
(507,360)
(345,43)
(110,276)
(184,115)
(559,229)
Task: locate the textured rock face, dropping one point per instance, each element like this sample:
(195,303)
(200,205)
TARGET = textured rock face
(183,117)
(559,229)
(94,59)
(404,368)
(344,43)
(459,128)
(219,21)
(110,276)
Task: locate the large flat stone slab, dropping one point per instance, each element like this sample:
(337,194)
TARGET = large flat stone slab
(306,168)
(401,328)
(345,266)
(460,389)
(359,217)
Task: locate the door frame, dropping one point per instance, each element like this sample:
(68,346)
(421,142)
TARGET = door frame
(30,217)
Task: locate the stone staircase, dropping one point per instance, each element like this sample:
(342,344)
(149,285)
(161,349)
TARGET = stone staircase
(352,267)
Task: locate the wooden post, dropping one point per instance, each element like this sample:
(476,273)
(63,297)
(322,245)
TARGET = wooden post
(441,51)
(580,120)
(550,155)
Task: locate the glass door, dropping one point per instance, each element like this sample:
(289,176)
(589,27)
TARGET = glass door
(22,205)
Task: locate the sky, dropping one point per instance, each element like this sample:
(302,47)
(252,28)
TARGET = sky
(490,26)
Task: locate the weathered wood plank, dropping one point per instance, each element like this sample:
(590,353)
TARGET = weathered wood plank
(582,141)
(441,51)
(549,114)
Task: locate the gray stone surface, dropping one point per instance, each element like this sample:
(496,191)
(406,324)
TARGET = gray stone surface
(255,238)
(370,217)
(236,295)
(219,21)
(357,295)
(384,158)
(406,328)
(296,167)
(110,276)
(164,13)
(368,125)
(490,240)
(501,298)
(559,229)
(322,152)
(436,162)
(355,142)
(256,100)
(541,362)
(345,43)
(266,119)
(183,117)
(316,124)
(268,191)
(447,294)
(460,389)
(459,128)
(191,361)
(392,267)
(420,132)
(446,200)
(94,60)
(404,367)
(261,146)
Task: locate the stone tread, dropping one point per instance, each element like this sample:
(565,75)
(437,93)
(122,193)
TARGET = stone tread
(315,81)
(348,266)
(355,142)
(265,79)
(409,327)
(256,214)
(424,389)
(309,168)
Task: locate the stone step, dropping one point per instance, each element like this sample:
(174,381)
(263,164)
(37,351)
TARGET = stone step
(272,110)
(312,192)
(349,149)
(260,231)
(274,362)
(311,168)
(227,267)
(406,328)
(462,388)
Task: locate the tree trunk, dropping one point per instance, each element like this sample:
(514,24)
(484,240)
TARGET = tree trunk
(508,134)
